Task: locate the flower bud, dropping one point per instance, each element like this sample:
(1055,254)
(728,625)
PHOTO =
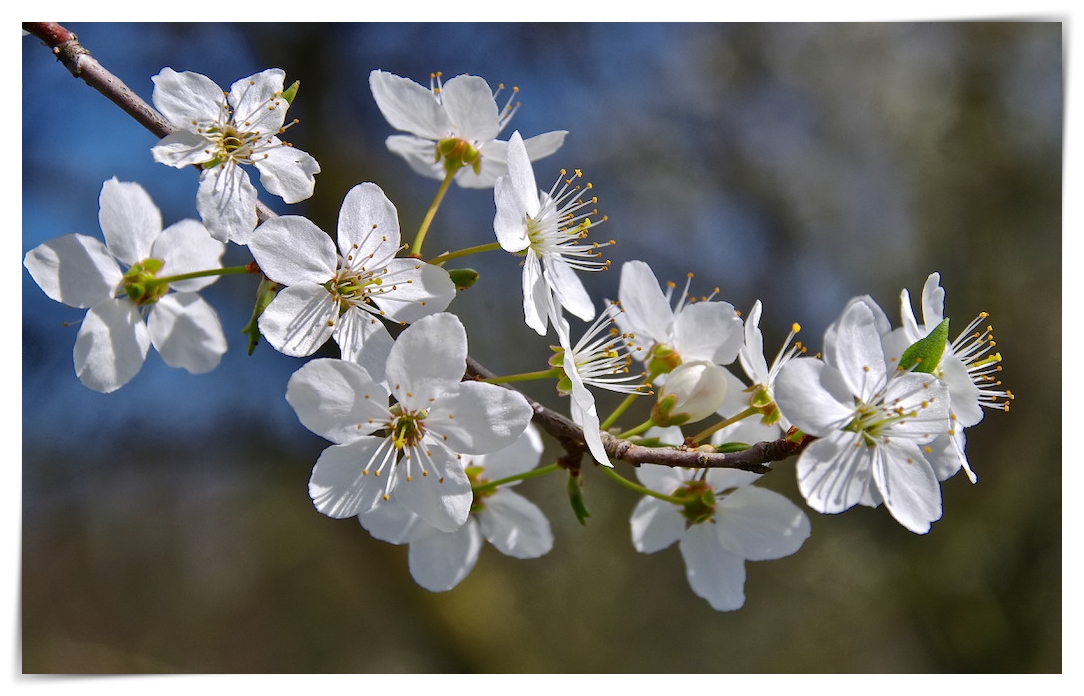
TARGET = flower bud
(693,391)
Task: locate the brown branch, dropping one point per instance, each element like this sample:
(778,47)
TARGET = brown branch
(570,435)
(81,64)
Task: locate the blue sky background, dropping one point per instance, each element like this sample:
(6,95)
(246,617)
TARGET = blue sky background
(797,164)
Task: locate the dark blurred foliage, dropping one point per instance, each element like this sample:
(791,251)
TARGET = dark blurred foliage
(167,527)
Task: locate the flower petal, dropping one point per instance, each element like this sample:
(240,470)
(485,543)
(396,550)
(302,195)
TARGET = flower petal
(290,249)
(339,486)
(515,525)
(442,496)
(337,400)
(186,332)
(834,472)
(226,201)
(257,101)
(647,313)
(130,220)
(478,418)
(186,247)
(470,106)
(364,339)
(428,359)
(187,96)
(288,173)
(759,524)
(714,573)
(439,561)
(408,106)
(420,154)
(413,289)
(814,396)
(111,345)
(368,224)
(709,331)
(391,522)
(518,458)
(183,148)
(656,524)
(299,320)
(74,269)
(907,483)
(567,288)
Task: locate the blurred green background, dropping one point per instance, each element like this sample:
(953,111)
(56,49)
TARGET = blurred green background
(167,527)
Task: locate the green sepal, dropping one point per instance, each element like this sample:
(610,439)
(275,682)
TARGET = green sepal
(291,92)
(731,447)
(463,277)
(575,497)
(264,294)
(925,354)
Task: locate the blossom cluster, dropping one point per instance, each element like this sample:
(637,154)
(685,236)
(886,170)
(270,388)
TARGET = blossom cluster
(421,454)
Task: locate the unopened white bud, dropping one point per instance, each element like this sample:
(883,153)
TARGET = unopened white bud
(693,391)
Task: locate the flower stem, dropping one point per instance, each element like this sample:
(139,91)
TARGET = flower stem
(722,424)
(449,255)
(229,270)
(417,248)
(643,490)
(517,477)
(553,372)
(638,429)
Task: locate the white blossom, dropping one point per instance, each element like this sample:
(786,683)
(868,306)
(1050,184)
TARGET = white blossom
(342,293)
(127,310)
(414,447)
(515,526)
(221,132)
(874,425)
(724,523)
(547,229)
(453,124)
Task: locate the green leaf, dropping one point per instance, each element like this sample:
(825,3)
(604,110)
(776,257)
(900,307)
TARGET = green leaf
(264,294)
(731,447)
(575,496)
(925,354)
(291,92)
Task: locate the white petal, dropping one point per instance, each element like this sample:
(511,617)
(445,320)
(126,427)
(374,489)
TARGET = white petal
(515,525)
(536,295)
(495,159)
(510,220)
(714,573)
(518,458)
(708,331)
(567,288)
(408,106)
(664,479)
(420,154)
(647,312)
(521,175)
(290,249)
(368,224)
(759,524)
(470,106)
(186,247)
(933,302)
(544,145)
(186,332)
(338,487)
(249,98)
(442,496)
(859,355)
(833,473)
(130,220)
(751,354)
(226,201)
(585,415)
(111,345)
(183,148)
(364,339)
(438,560)
(907,483)
(287,172)
(656,524)
(186,97)
(74,269)
(963,392)
(413,289)
(391,522)
(478,418)
(299,320)
(428,359)
(337,399)
(814,396)
(723,479)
